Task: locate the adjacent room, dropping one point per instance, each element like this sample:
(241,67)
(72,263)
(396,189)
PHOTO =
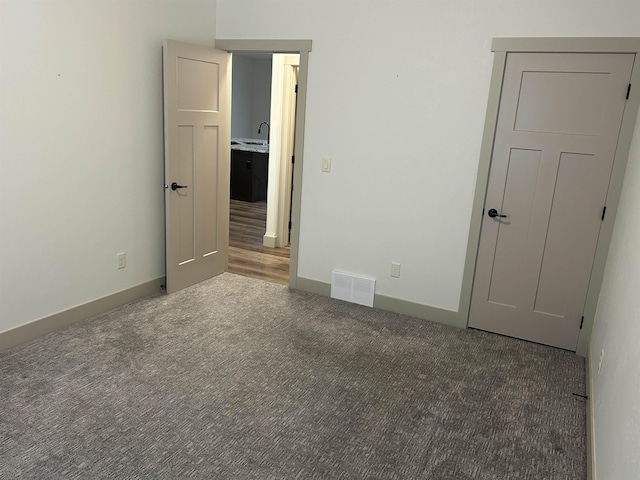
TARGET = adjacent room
(401,112)
(261,165)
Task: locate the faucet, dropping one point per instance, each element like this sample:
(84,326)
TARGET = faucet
(268,130)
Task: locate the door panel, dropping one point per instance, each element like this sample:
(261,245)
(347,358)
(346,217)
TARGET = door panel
(556,137)
(197,150)
(519,190)
(206,177)
(183,198)
(197,85)
(563,109)
(571,236)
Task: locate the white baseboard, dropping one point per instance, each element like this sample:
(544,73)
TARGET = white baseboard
(38,328)
(269,240)
(591,439)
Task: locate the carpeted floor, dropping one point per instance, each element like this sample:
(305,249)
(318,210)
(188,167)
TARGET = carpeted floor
(238,378)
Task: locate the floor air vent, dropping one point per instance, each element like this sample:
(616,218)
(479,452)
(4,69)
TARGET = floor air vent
(352,288)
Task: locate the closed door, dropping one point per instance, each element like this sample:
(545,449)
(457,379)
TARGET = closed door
(197,118)
(555,141)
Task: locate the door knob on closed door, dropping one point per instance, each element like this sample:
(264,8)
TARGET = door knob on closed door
(175,186)
(494,213)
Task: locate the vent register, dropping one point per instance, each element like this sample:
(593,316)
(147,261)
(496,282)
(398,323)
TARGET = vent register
(352,288)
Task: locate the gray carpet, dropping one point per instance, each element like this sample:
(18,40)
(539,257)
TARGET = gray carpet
(238,378)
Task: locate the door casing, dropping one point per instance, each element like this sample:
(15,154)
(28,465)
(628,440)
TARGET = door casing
(500,47)
(301,47)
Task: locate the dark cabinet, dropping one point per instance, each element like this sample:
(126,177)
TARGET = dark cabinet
(249,172)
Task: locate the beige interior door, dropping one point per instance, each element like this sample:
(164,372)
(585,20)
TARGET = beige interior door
(197,121)
(557,131)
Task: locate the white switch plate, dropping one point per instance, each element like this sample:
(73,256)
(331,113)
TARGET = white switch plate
(395,269)
(122,260)
(326,164)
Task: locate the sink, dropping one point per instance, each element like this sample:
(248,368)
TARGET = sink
(250,144)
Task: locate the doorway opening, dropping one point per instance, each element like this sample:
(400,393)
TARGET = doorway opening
(263,123)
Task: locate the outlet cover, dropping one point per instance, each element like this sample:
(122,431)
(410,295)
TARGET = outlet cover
(122,260)
(395,270)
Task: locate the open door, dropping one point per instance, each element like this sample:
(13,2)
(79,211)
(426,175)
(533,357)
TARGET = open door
(197,136)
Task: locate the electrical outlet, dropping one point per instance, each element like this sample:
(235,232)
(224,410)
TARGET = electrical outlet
(122,260)
(600,362)
(326,164)
(395,269)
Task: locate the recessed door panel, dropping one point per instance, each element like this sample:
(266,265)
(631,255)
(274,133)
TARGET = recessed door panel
(513,230)
(553,102)
(209,173)
(183,197)
(197,85)
(556,138)
(571,237)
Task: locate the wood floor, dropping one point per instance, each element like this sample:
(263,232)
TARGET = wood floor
(247,255)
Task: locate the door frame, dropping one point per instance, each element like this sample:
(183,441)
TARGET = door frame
(282,118)
(501,47)
(287,146)
(301,47)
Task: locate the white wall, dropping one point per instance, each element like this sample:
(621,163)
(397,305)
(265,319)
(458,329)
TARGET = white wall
(397,95)
(261,97)
(616,389)
(242,97)
(81,146)
(251,100)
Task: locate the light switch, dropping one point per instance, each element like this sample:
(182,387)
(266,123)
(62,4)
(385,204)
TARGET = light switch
(395,269)
(326,164)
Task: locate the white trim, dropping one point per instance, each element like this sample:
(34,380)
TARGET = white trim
(288,112)
(282,117)
(269,240)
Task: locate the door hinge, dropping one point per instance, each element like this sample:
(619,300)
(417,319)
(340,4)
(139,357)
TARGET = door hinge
(604,211)
(628,91)
(483,212)
(296,89)
(289,225)
(581,322)
(293,159)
